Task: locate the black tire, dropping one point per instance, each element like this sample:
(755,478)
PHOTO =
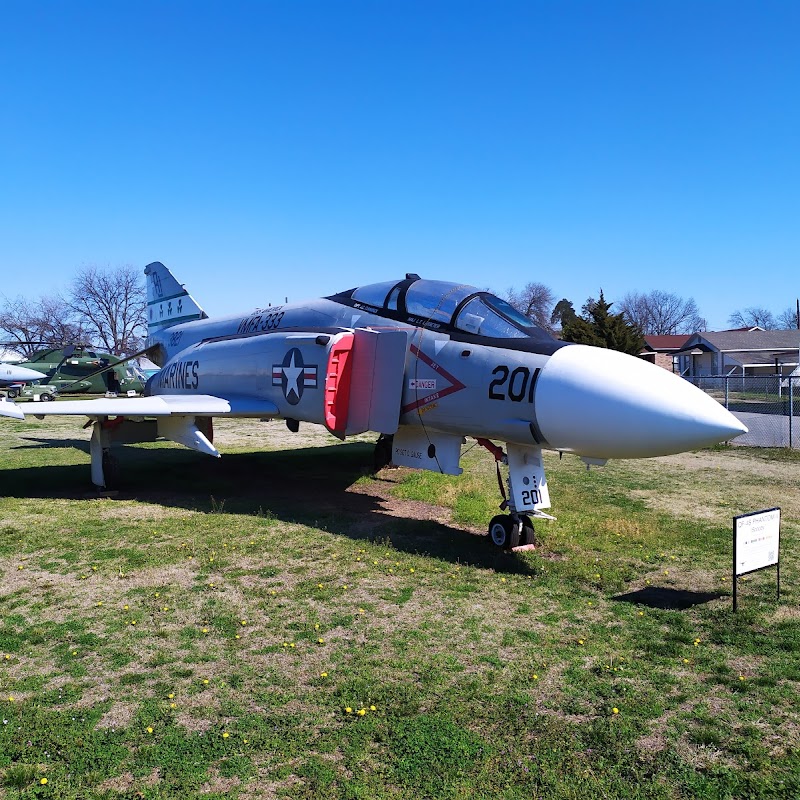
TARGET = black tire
(383,451)
(12,393)
(514,540)
(501,531)
(528,535)
(110,471)
(45,397)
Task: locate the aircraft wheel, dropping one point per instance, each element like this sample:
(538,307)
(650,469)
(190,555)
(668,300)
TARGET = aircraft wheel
(503,532)
(110,471)
(383,451)
(528,535)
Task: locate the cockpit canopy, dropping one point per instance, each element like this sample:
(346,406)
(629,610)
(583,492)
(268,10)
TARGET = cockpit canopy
(442,304)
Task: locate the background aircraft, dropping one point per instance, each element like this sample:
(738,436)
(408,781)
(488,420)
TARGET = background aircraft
(77,368)
(13,376)
(423,362)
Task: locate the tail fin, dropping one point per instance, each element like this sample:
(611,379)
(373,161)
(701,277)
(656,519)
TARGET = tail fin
(168,303)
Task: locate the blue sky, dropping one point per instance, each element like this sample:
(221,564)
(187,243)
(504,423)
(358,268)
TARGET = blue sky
(271,149)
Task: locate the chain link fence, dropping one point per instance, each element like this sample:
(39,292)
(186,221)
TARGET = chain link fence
(768,404)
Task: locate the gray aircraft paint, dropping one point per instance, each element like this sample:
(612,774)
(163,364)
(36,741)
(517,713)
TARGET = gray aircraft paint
(429,362)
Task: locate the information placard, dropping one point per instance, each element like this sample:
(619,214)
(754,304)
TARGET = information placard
(756,540)
(756,545)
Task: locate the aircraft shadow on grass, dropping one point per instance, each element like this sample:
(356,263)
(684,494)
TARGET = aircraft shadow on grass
(666,598)
(35,443)
(307,486)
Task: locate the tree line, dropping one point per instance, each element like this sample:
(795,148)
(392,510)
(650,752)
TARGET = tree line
(103,307)
(638,314)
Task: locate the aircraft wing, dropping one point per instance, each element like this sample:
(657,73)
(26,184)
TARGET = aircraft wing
(164,405)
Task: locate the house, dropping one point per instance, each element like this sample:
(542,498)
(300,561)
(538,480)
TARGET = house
(661,350)
(745,352)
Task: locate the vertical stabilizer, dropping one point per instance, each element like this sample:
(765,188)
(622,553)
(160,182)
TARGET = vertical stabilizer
(168,303)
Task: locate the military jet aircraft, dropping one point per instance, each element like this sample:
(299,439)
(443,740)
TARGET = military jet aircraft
(13,376)
(424,362)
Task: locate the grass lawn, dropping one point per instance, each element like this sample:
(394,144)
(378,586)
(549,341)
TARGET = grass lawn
(279,623)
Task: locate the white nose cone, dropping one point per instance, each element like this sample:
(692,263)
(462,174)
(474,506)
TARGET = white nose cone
(11,372)
(604,404)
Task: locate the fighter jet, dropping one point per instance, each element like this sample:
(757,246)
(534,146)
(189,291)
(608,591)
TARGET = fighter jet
(11,374)
(424,363)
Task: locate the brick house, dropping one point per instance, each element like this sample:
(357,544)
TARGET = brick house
(662,350)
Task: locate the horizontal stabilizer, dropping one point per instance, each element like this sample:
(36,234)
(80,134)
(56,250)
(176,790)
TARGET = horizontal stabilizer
(165,405)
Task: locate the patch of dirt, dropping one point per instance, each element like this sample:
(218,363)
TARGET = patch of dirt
(382,488)
(126,782)
(137,511)
(273,435)
(728,462)
(118,716)
(784,613)
(748,666)
(716,486)
(171,577)
(219,785)
(195,724)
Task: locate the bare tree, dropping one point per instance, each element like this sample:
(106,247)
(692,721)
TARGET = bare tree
(111,304)
(659,313)
(535,301)
(788,320)
(29,325)
(753,317)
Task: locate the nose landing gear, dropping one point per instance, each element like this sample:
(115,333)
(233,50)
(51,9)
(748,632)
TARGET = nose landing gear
(508,531)
(527,491)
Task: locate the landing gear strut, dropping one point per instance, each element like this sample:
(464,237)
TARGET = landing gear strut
(515,529)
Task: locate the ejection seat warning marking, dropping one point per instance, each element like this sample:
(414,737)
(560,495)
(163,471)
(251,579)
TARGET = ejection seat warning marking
(455,383)
(293,376)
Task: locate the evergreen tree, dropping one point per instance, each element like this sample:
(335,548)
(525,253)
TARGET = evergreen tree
(600,328)
(563,313)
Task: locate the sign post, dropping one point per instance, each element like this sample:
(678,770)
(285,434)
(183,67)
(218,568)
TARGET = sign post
(756,545)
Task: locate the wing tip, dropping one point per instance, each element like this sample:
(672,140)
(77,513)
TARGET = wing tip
(10,410)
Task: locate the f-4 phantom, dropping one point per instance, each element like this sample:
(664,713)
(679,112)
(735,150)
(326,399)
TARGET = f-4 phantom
(424,363)
(11,374)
